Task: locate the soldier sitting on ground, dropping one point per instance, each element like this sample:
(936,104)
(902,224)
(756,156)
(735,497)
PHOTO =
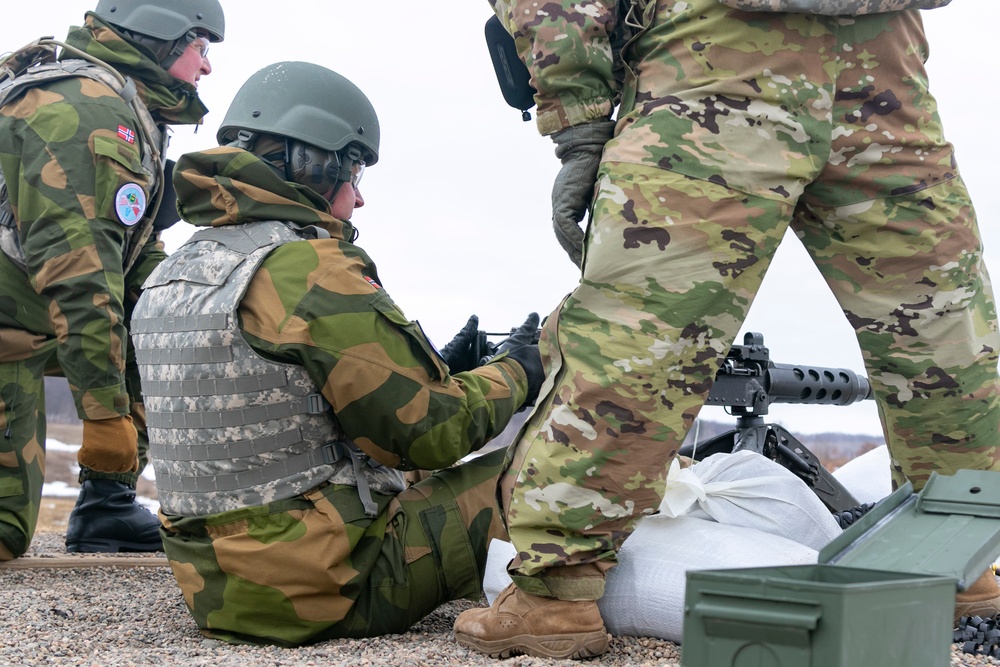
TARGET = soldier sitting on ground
(286,392)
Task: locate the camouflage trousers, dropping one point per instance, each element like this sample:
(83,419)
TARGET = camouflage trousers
(316,567)
(22,439)
(678,247)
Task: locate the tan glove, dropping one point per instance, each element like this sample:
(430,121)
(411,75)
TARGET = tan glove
(110,445)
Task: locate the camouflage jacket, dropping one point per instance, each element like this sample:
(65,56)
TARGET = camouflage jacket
(708,93)
(568,51)
(318,303)
(71,154)
(576,66)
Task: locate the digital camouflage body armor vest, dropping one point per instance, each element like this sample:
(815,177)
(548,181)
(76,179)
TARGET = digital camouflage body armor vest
(833,7)
(227,427)
(35,65)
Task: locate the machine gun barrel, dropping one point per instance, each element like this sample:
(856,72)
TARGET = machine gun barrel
(792,383)
(748,382)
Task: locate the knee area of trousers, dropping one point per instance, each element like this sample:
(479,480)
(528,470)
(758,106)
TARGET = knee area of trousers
(14,541)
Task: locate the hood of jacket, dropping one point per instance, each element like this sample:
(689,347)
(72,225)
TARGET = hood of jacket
(168,99)
(230,186)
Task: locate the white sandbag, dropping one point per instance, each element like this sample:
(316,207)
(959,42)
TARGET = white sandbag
(728,511)
(868,476)
(495,578)
(644,594)
(749,490)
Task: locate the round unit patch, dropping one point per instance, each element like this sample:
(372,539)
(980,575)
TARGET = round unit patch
(130,203)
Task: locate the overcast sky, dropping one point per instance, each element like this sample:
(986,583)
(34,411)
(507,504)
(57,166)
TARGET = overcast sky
(458,215)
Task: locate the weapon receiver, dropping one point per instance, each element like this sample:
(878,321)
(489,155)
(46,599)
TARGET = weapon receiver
(486,350)
(748,382)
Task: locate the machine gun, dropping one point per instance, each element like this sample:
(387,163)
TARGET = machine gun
(748,382)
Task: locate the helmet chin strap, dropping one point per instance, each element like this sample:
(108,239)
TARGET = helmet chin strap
(180,45)
(346,166)
(288,160)
(245,139)
(174,49)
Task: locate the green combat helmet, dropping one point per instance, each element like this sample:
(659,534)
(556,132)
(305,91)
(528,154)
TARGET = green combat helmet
(166,28)
(327,122)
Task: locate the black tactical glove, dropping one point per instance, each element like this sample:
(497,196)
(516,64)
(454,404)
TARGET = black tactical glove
(167,215)
(579,147)
(522,348)
(460,354)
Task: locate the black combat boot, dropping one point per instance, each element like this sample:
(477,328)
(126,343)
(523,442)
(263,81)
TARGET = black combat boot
(107,519)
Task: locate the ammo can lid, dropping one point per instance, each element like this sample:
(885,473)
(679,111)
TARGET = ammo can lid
(951,528)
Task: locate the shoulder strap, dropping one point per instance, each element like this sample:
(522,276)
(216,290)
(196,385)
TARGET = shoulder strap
(10,242)
(36,63)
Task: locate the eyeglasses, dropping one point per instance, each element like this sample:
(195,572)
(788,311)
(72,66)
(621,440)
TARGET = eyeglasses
(201,46)
(357,171)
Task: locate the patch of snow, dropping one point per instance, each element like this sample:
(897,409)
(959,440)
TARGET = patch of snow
(59,490)
(53,445)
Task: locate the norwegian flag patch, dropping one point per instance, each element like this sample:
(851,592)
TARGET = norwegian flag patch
(373,283)
(126,134)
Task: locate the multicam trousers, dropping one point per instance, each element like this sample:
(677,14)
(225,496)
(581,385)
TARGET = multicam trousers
(316,567)
(741,128)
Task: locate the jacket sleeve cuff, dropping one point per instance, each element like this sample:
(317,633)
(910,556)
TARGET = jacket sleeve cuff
(101,403)
(553,117)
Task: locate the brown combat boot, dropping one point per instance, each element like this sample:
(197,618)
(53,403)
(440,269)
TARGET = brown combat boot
(519,623)
(982,598)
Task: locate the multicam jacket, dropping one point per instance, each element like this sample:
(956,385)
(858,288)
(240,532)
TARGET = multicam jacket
(71,153)
(569,48)
(317,304)
(584,92)
(702,97)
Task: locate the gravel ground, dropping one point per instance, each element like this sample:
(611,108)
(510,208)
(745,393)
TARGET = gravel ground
(111,617)
(120,617)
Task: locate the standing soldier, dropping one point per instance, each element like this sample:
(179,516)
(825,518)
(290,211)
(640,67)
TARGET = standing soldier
(82,141)
(286,392)
(736,119)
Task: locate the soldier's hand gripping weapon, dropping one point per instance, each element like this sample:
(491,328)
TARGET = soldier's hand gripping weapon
(485,349)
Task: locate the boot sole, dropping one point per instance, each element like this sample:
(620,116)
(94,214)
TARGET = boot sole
(572,646)
(109,547)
